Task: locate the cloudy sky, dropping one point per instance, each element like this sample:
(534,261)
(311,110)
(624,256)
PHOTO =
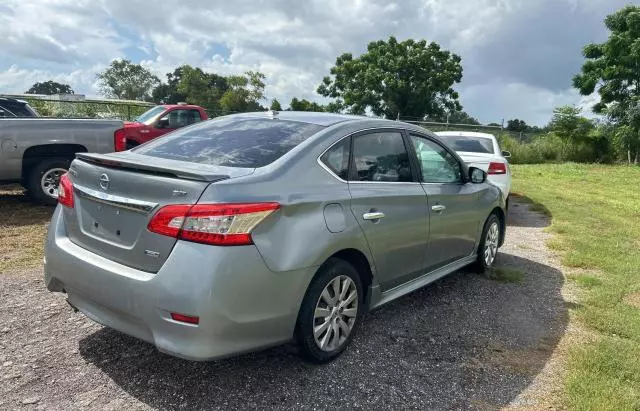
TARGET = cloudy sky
(518,55)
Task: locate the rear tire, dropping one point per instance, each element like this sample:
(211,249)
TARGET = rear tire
(489,244)
(328,320)
(131,144)
(43,180)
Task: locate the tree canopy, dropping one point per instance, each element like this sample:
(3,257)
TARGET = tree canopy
(304,105)
(126,80)
(50,87)
(517,125)
(408,79)
(613,67)
(275,105)
(568,124)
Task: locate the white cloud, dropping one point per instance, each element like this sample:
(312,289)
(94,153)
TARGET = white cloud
(518,55)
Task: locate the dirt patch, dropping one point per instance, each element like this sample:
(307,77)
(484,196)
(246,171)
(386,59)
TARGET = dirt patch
(23,227)
(633,299)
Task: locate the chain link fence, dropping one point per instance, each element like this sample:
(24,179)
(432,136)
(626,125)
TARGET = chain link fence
(122,110)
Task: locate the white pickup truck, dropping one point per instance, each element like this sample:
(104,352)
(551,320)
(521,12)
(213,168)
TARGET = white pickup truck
(36,151)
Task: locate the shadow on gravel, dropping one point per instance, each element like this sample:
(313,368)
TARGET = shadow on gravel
(519,217)
(463,342)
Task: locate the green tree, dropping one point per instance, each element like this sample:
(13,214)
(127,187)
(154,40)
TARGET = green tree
(613,67)
(245,93)
(408,79)
(517,125)
(461,117)
(199,87)
(304,105)
(613,70)
(275,105)
(167,93)
(126,80)
(50,87)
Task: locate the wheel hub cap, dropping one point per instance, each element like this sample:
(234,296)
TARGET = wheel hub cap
(50,181)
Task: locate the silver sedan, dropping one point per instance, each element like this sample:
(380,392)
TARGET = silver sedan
(251,230)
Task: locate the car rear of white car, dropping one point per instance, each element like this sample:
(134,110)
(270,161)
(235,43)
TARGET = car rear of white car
(481,150)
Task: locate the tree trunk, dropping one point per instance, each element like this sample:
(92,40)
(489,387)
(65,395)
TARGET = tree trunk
(629,155)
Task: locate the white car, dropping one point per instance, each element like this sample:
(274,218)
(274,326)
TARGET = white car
(481,150)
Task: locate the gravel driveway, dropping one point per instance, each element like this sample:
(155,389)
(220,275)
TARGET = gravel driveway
(464,342)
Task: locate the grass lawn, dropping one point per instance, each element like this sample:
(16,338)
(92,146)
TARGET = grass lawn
(596,222)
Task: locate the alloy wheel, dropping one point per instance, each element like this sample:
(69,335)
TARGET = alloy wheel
(491,244)
(335,313)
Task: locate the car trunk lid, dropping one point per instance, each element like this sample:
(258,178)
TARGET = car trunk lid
(116,196)
(478,160)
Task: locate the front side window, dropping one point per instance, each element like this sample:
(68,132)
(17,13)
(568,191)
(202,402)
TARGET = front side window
(231,142)
(437,165)
(381,157)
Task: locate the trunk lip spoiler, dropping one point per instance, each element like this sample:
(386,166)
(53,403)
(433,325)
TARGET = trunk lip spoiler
(132,164)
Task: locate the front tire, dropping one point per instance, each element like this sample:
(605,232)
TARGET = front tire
(331,311)
(43,180)
(489,243)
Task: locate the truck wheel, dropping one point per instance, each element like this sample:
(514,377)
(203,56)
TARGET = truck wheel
(44,178)
(131,144)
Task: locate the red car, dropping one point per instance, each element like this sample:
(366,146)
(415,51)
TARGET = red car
(157,121)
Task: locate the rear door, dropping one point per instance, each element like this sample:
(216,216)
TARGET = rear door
(389,204)
(454,218)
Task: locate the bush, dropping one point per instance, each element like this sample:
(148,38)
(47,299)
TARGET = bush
(549,148)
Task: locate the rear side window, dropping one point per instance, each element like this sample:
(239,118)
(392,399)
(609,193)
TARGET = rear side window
(231,142)
(337,158)
(381,157)
(470,144)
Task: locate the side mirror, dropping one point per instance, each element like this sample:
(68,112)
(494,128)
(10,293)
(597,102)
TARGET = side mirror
(477,176)
(506,154)
(162,122)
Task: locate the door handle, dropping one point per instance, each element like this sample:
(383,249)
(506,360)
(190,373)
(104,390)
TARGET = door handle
(373,215)
(438,208)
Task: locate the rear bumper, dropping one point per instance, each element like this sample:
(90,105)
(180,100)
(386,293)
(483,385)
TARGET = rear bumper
(242,305)
(503,182)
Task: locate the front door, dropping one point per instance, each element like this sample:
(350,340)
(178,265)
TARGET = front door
(390,205)
(454,220)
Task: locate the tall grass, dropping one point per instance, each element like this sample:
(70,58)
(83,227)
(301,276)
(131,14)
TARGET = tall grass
(549,148)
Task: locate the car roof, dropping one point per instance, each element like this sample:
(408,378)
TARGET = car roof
(12,100)
(312,117)
(464,134)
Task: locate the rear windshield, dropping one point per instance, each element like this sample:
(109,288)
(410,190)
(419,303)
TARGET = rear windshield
(231,142)
(469,144)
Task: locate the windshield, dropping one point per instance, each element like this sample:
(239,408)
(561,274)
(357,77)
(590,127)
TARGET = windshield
(469,144)
(150,114)
(231,142)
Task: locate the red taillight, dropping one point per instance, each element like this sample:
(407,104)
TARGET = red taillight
(185,318)
(216,224)
(497,168)
(120,139)
(65,191)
